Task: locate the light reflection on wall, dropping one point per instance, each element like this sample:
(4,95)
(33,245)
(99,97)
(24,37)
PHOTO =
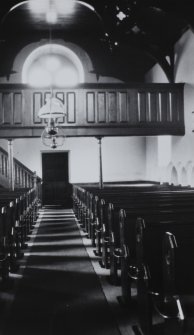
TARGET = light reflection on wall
(53,70)
(53,64)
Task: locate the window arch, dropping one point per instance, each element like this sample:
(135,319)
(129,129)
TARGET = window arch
(52,64)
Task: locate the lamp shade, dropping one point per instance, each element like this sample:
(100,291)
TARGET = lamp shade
(53,109)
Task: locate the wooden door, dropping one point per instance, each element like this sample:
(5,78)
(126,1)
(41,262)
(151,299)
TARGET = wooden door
(56,189)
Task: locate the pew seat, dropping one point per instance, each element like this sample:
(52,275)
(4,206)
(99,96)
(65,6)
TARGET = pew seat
(164,273)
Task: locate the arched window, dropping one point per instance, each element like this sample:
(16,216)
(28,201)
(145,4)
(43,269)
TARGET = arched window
(52,65)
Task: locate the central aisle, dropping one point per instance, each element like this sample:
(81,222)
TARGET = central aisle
(59,293)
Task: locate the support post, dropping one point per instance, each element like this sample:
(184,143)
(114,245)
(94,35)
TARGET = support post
(100,163)
(10,165)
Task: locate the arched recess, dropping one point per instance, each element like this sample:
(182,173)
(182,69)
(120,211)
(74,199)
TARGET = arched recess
(174,177)
(184,177)
(60,52)
(179,168)
(192,178)
(169,172)
(189,167)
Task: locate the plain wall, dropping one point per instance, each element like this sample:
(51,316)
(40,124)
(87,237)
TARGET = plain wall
(181,147)
(123,158)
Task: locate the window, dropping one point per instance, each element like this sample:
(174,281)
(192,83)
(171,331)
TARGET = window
(52,65)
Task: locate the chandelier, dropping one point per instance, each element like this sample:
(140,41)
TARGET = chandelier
(52,136)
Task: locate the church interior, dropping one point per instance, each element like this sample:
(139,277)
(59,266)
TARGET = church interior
(96,167)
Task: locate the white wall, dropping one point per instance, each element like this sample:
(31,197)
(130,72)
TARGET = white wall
(181,147)
(123,157)
(152,158)
(4,144)
(158,157)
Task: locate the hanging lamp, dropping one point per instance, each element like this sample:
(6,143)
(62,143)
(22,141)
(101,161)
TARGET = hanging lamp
(52,110)
(53,135)
(53,141)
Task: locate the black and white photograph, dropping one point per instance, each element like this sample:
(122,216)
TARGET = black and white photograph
(96,167)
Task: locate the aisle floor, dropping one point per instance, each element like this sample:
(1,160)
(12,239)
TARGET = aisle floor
(57,290)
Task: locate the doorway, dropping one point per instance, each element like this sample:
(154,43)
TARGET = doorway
(56,189)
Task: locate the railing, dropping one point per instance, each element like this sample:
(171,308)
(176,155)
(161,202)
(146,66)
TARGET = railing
(24,177)
(96,110)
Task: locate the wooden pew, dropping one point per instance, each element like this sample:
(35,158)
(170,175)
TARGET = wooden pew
(103,233)
(19,209)
(21,200)
(98,226)
(128,239)
(138,208)
(4,259)
(172,208)
(178,279)
(115,193)
(119,196)
(163,273)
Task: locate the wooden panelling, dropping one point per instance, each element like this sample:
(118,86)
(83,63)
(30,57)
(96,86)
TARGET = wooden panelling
(142,106)
(170,107)
(164,106)
(45,97)
(1,109)
(157,107)
(175,107)
(149,111)
(96,109)
(71,107)
(159,114)
(7,109)
(101,107)
(37,103)
(153,106)
(61,96)
(123,107)
(17,108)
(112,107)
(90,107)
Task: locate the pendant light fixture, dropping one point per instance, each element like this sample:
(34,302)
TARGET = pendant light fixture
(54,109)
(53,140)
(53,135)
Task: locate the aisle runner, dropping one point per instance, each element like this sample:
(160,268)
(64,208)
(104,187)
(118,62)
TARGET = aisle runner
(59,293)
